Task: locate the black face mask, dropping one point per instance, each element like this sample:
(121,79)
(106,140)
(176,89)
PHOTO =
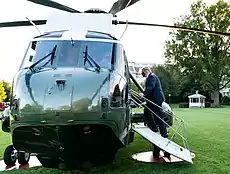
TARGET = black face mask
(143,74)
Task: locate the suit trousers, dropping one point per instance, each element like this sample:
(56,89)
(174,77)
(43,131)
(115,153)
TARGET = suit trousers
(153,122)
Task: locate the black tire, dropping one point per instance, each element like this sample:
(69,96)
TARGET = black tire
(23,158)
(8,158)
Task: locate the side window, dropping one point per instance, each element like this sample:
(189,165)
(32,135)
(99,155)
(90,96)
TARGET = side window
(118,96)
(123,62)
(120,61)
(36,51)
(127,77)
(126,73)
(29,55)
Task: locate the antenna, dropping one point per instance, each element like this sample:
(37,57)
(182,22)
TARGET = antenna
(125,29)
(34,25)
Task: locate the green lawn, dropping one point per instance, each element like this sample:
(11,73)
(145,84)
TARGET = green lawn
(209,137)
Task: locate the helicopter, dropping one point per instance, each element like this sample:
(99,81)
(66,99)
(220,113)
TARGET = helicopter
(70,98)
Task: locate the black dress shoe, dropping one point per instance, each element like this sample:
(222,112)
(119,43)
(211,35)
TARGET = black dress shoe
(155,130)
(166,154)
(165,136)
(156,155)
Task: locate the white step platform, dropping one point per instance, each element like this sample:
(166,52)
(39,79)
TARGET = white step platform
(34,162)
(163,143)
(148,158)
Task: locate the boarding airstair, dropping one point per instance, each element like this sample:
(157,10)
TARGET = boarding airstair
(166,144)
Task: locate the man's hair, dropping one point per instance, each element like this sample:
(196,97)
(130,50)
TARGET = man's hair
(146,69)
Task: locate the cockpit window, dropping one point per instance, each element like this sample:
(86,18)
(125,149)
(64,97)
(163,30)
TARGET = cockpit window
(100,52)
(69,53)
(38,50)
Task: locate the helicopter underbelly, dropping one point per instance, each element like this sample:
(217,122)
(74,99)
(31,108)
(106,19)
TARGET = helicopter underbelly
(67,142)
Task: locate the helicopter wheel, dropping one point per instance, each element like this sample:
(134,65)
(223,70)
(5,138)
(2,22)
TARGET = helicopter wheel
(23,158)
(10,155)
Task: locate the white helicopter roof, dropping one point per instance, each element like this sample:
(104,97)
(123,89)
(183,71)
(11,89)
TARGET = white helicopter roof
(77,25)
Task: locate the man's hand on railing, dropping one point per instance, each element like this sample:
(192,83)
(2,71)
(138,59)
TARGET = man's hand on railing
(141,95)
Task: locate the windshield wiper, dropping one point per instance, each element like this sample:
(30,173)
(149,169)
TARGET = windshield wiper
(52,53)
(90,59)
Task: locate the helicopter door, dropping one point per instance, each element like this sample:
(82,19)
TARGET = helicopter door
(126,95)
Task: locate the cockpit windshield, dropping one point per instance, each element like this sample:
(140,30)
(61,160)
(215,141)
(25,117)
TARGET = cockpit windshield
(68,54)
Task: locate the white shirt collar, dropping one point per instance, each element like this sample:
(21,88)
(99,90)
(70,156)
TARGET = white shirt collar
(148,74)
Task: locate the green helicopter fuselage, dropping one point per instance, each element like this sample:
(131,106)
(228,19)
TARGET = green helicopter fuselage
(70,97)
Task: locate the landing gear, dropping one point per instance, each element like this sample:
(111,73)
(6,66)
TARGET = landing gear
(11,155)
(23,158)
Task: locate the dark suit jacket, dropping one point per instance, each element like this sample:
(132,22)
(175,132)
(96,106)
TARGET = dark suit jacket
(153,90)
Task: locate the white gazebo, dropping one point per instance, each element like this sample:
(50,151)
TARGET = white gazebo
(196,100)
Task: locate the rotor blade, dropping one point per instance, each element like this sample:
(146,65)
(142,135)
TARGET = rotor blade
(175,27)
(21,23)
(121,4)
(53,4)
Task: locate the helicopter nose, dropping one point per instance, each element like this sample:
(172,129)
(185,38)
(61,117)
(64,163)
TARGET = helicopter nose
(51,94)
(79,93)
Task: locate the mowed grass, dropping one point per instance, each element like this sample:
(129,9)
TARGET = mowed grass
(208,131)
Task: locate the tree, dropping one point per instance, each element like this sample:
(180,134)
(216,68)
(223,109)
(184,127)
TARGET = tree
(189,85)
(170,79)
(7,88)
(203,56)
(135,88)
(2,92)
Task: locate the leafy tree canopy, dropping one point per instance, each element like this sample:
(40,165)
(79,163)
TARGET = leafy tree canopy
(2,92)
(203,56)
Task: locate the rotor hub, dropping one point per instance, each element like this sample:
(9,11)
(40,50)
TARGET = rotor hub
(95,10)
